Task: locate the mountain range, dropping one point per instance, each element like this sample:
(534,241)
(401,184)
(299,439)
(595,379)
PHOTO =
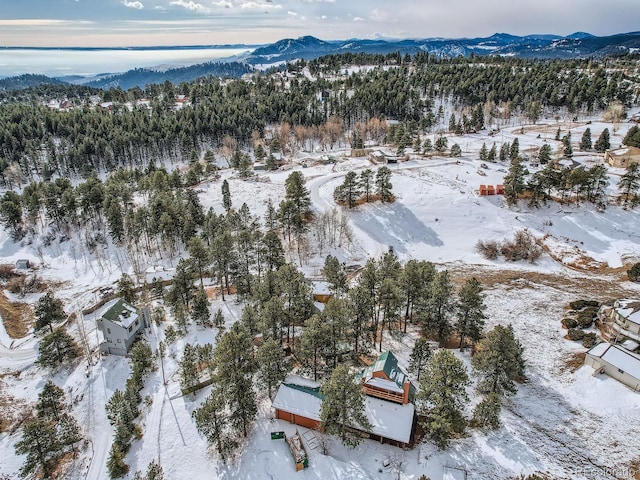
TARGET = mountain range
(576,45)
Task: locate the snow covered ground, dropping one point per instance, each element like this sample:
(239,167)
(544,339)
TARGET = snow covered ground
(566,422)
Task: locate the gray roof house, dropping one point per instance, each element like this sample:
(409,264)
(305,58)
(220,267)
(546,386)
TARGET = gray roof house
(119,323)
(616,362)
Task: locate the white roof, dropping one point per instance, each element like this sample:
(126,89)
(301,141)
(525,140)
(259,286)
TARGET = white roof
(384,383)
(618,357)
(389,420)
(297,402)
(628,308)
(630,345)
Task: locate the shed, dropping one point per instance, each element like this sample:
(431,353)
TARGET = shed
(483,190)
(616,362)
(499,190)
(491,190)
(23,264)
(622,157)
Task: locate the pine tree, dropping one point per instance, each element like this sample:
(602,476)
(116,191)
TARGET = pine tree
(487,413)
(435,308)
(297,194)
(48,311)
(493,153)
(234,374)
(212,421)
(566,142)
(218,318)
(272,365)
(442,397)
(336,275)
(504,152)
(349,192)
(154,472)
(441,144)
(366,183)
(427,148)
(514,181)
(498,361)
(226,196)
(629,185)
(544,155)
(603,144)
(41,445)
(50,404)
(389,304)
(188,368)
(68,430)
(455,151)
(343,407)
(116,465)
(126,289)
(631,139)
(585,142)
(200,256)
(514,151)
(471,312)
(420,355)
(314,340)
(200,310)
(57,347)
(383,184)
(483,152)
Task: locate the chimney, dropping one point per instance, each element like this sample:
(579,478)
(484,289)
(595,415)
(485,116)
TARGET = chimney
(406,387)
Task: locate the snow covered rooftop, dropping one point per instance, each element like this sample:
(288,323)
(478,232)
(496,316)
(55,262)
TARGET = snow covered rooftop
(386,384)
(389,420)
(119,311)
(628,308)
(618,357)
(298,402)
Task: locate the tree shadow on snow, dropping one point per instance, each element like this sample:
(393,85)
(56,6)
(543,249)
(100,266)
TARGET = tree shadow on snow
(395,225)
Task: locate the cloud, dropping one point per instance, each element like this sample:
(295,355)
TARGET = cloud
(137,5)
(41,22)
(223,3)
(358,19)
(189,5)
(292,14)
(260,5)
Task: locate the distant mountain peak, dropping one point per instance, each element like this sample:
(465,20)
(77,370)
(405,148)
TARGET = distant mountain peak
(580,35)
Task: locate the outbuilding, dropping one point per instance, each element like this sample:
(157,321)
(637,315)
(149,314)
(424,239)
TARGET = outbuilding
(622,157)
(617,362)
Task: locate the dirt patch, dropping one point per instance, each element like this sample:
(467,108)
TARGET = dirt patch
(13,412)
(16,316)
(574,362)
(601,287)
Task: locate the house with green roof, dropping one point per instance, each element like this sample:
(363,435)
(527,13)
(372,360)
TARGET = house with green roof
(120,324)
(385,379)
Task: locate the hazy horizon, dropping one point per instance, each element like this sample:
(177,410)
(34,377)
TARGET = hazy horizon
(65,62)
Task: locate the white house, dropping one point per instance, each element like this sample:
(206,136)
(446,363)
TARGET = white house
(617,362)
(622,319)
(119,323)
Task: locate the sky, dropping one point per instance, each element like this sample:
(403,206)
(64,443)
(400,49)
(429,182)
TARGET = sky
(110,23)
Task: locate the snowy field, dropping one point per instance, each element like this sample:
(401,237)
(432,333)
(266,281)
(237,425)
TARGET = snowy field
(564,421)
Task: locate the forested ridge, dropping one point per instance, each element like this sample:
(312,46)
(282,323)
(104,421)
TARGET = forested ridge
(86,137)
